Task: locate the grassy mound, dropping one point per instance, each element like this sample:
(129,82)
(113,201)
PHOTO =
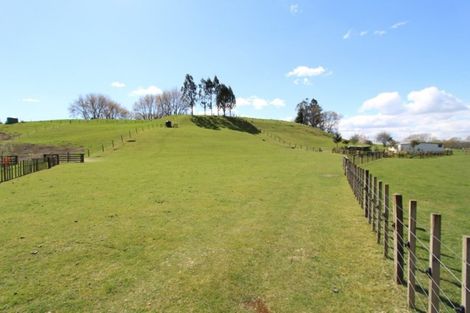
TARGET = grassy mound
(73,134)
(191,219)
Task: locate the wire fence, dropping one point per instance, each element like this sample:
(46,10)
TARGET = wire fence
(443,290)
(362,157)
(290,144)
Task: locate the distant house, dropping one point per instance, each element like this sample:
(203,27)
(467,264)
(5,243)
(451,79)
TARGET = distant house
(422,147)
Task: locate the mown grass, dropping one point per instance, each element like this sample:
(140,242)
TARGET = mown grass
(89,135)
(191,220)
(440,185)
(295,134)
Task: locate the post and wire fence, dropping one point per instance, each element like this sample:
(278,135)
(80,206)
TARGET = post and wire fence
(290,144)
(432,283)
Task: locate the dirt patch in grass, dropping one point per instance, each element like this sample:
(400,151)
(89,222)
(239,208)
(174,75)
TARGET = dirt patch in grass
(330,175)
(5,136)
(28,151)
(257,305)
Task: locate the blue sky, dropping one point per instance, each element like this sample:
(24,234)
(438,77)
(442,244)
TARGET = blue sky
(401,66)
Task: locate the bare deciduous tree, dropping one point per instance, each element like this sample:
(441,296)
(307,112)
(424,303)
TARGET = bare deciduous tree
(358,138)
(156,106)
(425,137)
(171,102)
(97,106)
(146,107)
(330,121)
(384,138)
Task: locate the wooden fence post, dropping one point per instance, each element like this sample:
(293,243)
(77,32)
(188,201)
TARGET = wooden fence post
(371,197)
(361,187)
(122,139)
(412,254)
(386,204)
(357,184)
(374,205)
(379,211)
(398,239)
(434,263)
(466,274)
(366,193)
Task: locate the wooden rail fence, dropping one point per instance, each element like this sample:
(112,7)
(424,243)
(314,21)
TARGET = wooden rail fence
(25,167)
(8,159)
(374,199)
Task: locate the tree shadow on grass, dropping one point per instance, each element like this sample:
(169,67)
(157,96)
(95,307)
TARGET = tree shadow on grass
(219,122)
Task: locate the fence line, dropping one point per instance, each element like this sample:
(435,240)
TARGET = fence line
(11,168)
(291,144)
(374,201)
(361,157)
(127,136)
(25,167)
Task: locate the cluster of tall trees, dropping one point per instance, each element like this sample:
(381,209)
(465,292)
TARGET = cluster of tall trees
(207,93)
(310,113)
(97,106)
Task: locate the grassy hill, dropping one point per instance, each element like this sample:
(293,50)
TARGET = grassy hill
(295,133)
(211,216)
(73,134)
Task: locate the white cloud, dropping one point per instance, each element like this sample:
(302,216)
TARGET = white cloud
(302,81)
(260,103)
(432,99)
(380,32)
(363,33)
(399,24)
(348,34)
(277,102)
(303,74)
(385,102)
(305,71)
(294,9)
(118,84)
(150,90)
(429,110)
(30,100)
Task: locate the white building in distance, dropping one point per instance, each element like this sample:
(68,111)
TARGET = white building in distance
(422,147)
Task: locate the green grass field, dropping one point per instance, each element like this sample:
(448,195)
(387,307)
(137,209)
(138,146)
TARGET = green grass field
(295,134)
(440,185)
(191,219)
(89,135)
